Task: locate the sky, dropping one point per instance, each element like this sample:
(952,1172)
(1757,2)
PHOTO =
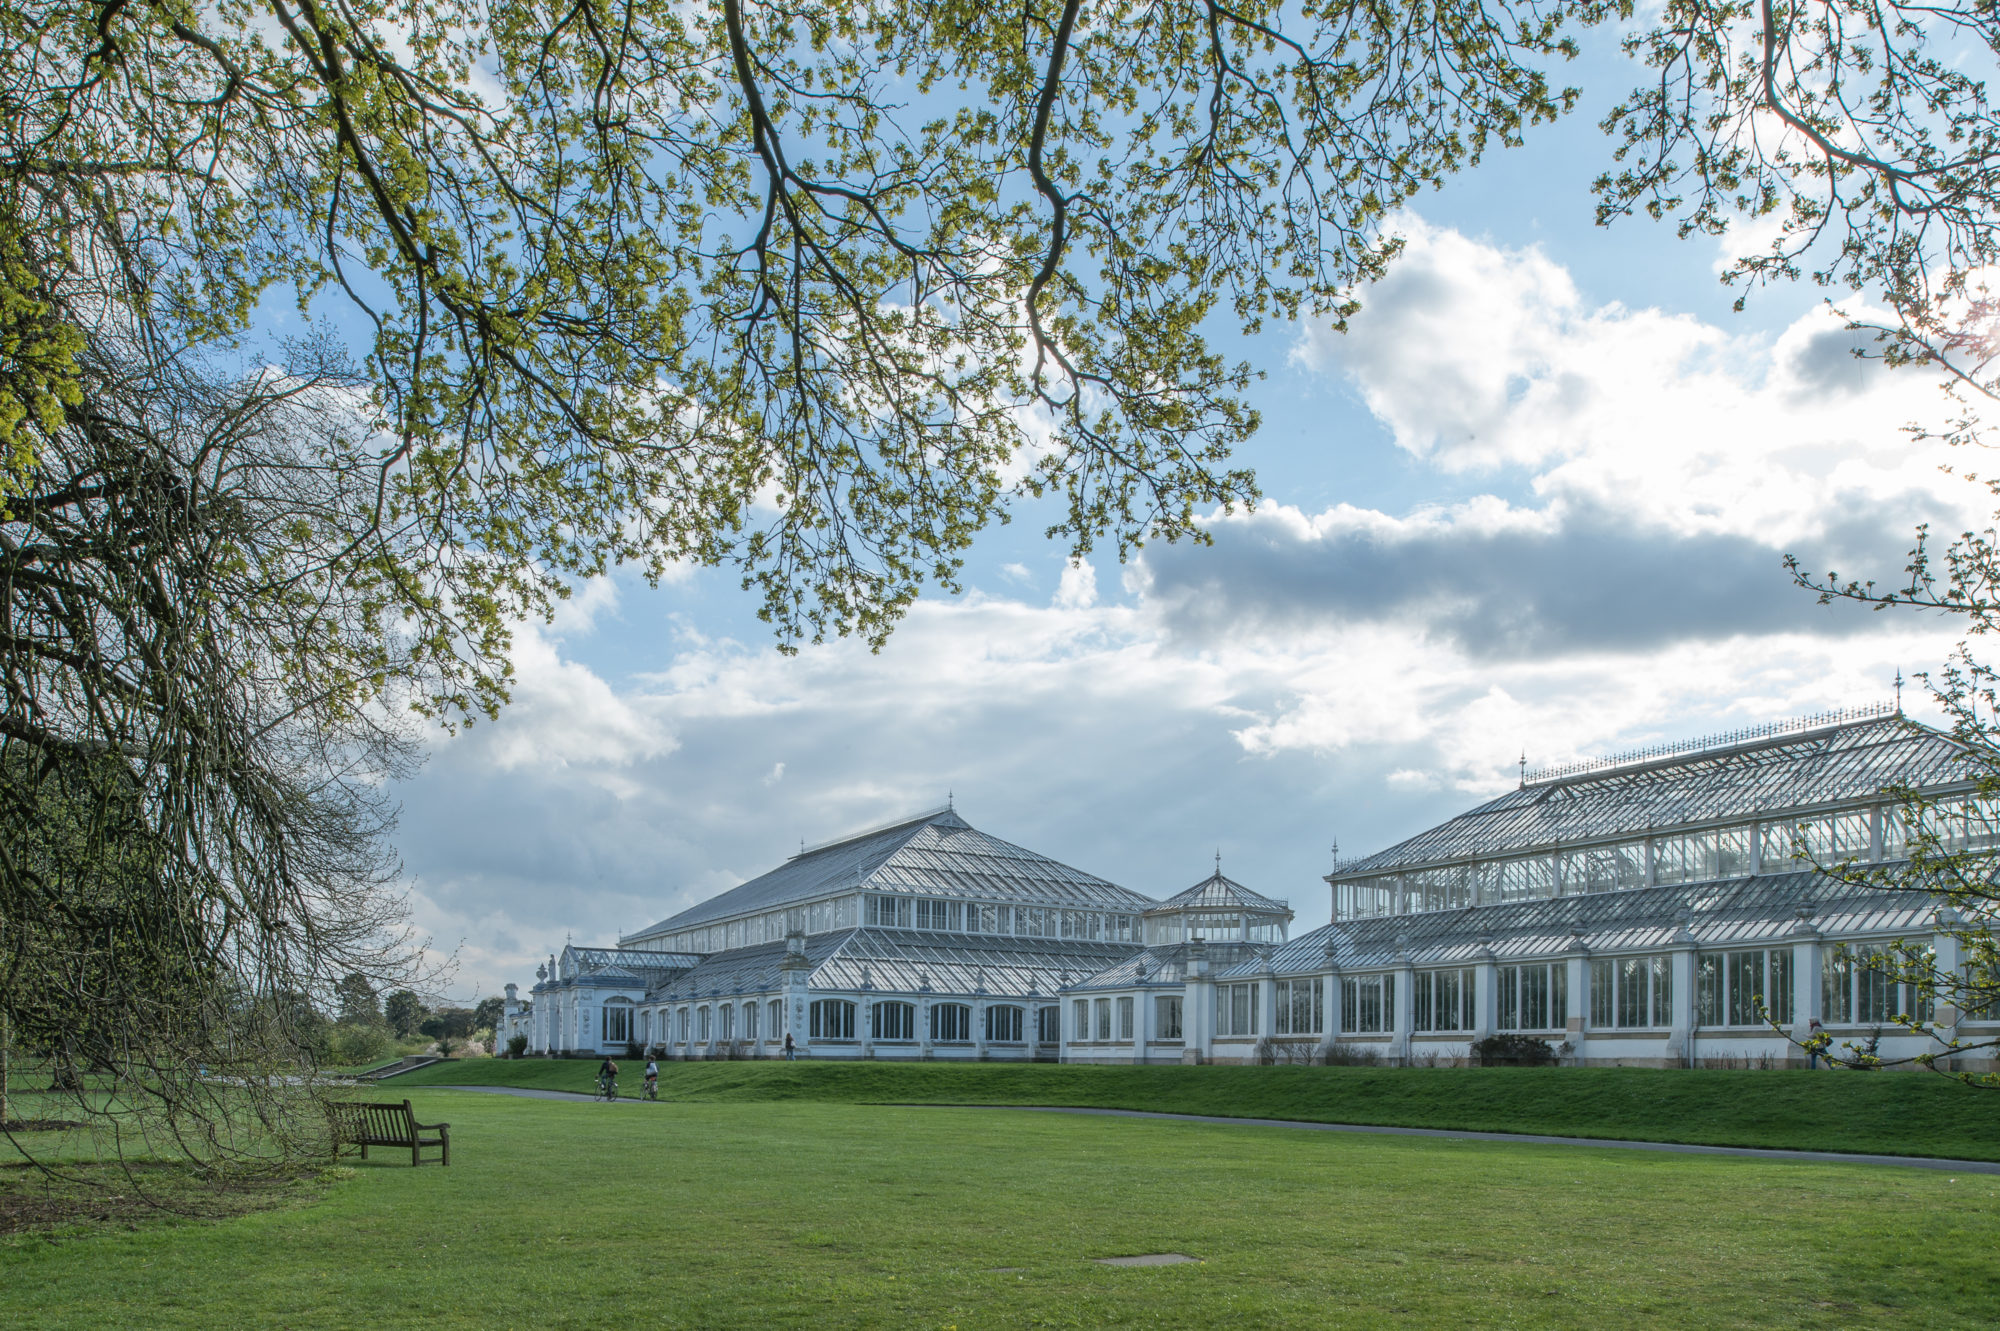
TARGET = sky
(1534,502)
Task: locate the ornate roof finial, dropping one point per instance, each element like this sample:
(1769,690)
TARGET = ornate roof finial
(1524,769)
(950,802)
(1218,861)
(1899,690)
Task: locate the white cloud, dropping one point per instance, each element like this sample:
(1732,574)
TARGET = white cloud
(1078,588)
(1478,358)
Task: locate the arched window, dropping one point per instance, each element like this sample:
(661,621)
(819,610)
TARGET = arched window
(951,1023)
(749,1021)
(701,1023)
(617,1022)
(684,1026)
(1003,1025)
(728,1021)
(894,1021)
(1048,1025)
(777,1015)
(832,1019)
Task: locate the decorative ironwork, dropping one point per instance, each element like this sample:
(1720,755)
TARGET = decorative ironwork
(1706,743)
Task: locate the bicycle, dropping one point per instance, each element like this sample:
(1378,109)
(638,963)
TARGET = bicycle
(608,1087)
(652,1088)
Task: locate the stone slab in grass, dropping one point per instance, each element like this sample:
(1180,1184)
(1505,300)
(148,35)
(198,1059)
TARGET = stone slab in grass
(1148,1259)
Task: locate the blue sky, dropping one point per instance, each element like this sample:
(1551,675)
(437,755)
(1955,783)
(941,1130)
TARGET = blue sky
(1536,499)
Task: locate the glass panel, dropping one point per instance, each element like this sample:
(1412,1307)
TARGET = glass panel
(1632,975)
(1836,987)
(1746,988)
(1708,991)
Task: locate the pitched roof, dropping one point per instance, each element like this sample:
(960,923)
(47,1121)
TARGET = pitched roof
(1759,911)
(938,854)
(902,961)
(606,964)
(1167,963)
(1218,893)
(1821,766)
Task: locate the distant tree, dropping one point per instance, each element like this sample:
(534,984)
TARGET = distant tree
(452,1022)
(359,1003)
(486,1015)
(404,1012)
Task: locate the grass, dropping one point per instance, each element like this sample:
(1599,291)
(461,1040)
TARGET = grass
(823,1215)
(1885,1113)
(85,1198)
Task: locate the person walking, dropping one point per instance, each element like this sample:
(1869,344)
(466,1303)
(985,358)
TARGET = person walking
(1813,1041)
(791,1051)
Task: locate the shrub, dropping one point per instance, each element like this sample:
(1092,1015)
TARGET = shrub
(355,1045)
(1337,1055)
(1513,1051)
(517,1046)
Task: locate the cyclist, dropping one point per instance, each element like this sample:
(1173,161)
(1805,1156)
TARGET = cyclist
(652,1078)
(607,1079)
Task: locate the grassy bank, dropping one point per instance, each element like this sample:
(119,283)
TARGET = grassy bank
(1892,1113)
(817,1215)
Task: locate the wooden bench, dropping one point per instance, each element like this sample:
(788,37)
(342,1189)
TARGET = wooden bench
(367,1125)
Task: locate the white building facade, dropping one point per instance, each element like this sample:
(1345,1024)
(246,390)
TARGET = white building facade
(924,939)
(1670,910)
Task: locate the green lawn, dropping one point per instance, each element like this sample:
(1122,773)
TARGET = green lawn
(578,1215)
(1890,1113)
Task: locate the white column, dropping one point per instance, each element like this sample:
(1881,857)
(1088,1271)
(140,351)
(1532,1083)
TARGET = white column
(1680,1035)
(1332,1032)
(1578,963)
(1485,998)
(1198,1011)
(1142,1023)
(1805,983)
(1948,959)
(1267,1014)
(1406,987)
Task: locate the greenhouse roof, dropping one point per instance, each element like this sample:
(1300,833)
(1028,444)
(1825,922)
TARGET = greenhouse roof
(1720,782)
(1218,893)
(903,961)
(1167,963)
(1765,910)
(606,964)
(938,855)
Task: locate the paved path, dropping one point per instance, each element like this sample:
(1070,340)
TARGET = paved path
(1451,1134)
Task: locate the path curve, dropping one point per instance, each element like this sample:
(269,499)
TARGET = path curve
(1376,1129)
